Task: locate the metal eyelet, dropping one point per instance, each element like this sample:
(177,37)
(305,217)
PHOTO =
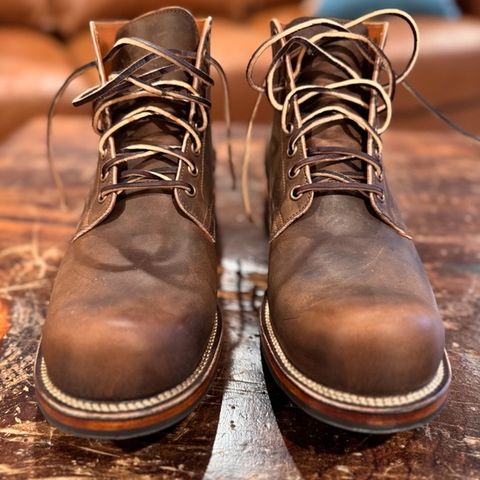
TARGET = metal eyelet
(196,151)
(295,196)
(379,176)
(292,151)
(293,173)
(193,171)
(191,192)
(101,198)
(382,198)
(103,176)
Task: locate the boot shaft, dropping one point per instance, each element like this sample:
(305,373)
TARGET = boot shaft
(151,112)
(331,86)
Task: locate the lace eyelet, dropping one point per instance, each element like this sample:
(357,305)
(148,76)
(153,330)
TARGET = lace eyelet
(191,192)
(196,151)
(103,176)
(382,198)
(101,198)
(193,171)
(289,128)
(379,176)
(295,196)
(292,151)
(293,173)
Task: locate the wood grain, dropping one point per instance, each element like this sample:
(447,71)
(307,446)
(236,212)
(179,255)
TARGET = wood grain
(246,428)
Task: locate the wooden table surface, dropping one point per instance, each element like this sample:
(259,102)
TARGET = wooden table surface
(245,428)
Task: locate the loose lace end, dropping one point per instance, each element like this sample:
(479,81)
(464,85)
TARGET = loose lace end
(246,160)
(57,178)
(438,113)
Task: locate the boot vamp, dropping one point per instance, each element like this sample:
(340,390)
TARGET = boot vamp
(351,303)
(133,304)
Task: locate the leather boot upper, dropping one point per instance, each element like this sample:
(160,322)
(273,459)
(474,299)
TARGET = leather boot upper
(349,299)
(134,302)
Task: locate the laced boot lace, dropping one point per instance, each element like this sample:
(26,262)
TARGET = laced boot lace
(132,84)
(288,98)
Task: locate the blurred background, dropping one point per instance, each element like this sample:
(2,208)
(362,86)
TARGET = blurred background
(42,41)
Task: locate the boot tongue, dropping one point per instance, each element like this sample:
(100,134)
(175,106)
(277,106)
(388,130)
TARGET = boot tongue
(319,70)
(170,28)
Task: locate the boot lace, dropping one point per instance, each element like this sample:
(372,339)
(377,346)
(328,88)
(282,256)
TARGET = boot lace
(292,46)
(132,84)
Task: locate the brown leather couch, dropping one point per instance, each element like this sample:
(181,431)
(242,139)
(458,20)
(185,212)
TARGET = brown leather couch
(41,41)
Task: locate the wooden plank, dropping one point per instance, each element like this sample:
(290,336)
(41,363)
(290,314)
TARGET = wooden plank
(246,428)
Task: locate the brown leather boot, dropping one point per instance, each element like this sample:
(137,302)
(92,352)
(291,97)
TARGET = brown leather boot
(133,332)
(350,328)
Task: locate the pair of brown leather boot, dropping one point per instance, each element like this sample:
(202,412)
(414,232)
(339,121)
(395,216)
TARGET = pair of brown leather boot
(349,326)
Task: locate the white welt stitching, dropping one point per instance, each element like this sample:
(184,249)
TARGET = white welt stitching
(127,406)
(387,401)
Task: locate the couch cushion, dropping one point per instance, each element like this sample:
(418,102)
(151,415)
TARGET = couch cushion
(69,16)
(33,13)
(447,71)
(73,15)
(32,67)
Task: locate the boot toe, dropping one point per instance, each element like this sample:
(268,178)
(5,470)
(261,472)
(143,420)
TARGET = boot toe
(108,357)
(379,350)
